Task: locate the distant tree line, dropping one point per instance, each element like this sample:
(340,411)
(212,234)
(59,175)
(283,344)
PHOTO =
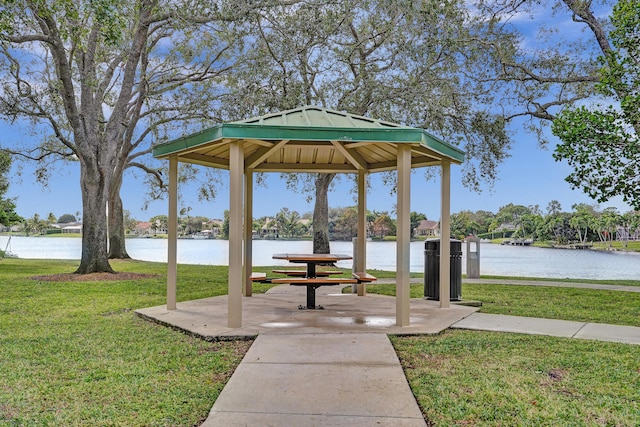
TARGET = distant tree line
(584,224)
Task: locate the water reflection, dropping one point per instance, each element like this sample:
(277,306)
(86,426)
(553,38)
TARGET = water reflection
(282,325)
(372,321)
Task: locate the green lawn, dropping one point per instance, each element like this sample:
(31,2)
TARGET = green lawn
(73,353)
(618,245)
(585,305)
(470,378)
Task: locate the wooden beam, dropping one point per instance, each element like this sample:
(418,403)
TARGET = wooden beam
(352,156)
(259,156)
(417,162)
(352,145)
(260,142)
(312,168)
(202,160)
(421,162)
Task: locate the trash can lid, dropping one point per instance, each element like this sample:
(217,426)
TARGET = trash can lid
(426,242)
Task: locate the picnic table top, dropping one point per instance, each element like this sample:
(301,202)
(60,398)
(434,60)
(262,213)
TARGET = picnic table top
(304,272)
(312,257)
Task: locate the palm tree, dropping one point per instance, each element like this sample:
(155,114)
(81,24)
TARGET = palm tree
(35,224)
(288,223)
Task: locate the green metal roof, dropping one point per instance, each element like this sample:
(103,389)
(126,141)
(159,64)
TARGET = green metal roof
(310,116)
(311,139)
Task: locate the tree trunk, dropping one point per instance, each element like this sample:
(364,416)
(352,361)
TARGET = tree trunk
(95,191)
(117,246)
(321,214)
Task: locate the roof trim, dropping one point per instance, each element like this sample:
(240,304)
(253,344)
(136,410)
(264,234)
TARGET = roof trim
(397,135)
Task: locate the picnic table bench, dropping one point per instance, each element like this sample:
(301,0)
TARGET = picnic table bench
(303,273)
(313,283)
(313,278)
(363,277)
(259,277)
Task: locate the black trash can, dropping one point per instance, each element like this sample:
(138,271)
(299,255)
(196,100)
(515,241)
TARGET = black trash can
(432,270)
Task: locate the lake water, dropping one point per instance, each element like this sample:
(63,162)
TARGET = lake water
(494,259)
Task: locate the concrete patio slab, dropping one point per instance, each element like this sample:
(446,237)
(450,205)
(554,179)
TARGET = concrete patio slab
(276,312)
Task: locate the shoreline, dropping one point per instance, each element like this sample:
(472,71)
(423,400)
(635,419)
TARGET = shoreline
(589,246)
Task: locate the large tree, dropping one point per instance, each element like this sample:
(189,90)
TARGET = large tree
(575,68)
(396,60)
(100,79)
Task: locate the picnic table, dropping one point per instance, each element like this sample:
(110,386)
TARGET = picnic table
(311,277)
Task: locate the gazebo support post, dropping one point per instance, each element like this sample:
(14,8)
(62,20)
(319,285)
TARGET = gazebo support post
(172,241)
(361,245)
(403,236)
(247,288)
(445,235)
(236,276)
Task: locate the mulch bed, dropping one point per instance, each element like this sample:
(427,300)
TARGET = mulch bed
(93,277)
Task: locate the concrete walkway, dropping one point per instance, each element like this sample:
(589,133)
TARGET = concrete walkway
(318,380)
(553,283)
(551,327)
(524,282)
(336,367)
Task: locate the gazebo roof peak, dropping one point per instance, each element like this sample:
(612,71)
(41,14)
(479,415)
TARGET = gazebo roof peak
(311,139)
(312,116)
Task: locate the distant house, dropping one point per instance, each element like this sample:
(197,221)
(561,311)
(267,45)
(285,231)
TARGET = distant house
(213,227)
(70,227)
(427,228)
(505,227)
(142,228)
(623,233)
(270,227)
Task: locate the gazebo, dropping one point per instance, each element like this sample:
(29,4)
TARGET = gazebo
(315,140)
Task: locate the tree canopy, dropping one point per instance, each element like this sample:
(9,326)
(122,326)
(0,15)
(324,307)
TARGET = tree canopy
(101,80)
(8,215)
(600,141)
(402,61)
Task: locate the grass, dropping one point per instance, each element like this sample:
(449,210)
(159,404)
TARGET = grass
(73,353)
(633,245)
(469,378)
(583,305)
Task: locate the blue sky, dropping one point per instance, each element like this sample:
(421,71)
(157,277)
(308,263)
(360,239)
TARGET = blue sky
(529,177)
